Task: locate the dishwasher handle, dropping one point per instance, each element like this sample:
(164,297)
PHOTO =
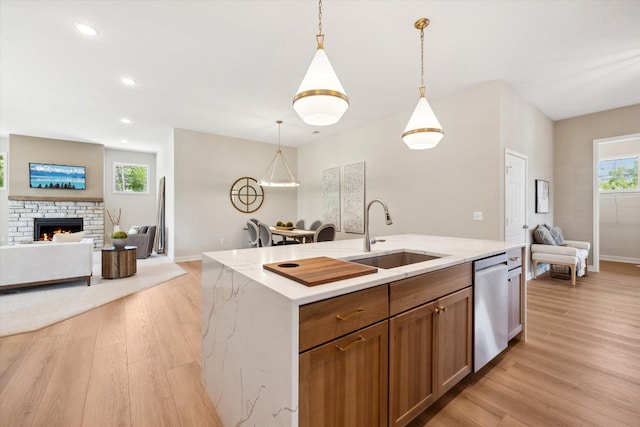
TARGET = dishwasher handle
(481,264)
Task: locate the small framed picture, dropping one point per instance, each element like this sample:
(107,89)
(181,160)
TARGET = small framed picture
(542,196)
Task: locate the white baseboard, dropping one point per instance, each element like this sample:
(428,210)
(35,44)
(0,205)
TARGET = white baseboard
(188,258)
(620,259)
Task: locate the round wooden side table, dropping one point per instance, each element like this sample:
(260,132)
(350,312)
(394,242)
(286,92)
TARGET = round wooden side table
(118,263)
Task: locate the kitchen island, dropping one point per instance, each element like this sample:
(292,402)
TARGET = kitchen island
(252,341)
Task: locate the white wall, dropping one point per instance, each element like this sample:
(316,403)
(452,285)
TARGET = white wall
(205,168)
(4,201)
(620,212)
(137,209)
(436,191)
(528,131)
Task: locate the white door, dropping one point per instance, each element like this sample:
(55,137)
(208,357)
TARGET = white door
(515,197)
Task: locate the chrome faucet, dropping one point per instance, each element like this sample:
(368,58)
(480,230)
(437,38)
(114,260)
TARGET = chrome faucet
(368,241)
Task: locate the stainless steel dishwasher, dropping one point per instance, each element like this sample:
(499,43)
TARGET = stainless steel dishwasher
(491,305)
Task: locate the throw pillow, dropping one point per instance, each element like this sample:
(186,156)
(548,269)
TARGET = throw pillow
(143,229)
(556,233)
(68,237)
(133,230)
(543,236)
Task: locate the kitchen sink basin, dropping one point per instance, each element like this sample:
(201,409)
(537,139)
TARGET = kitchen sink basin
(395,259)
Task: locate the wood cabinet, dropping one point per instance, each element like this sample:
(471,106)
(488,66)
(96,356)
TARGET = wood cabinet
(381,356)
(328,319)
(344,382)
(430,351)
(515,286)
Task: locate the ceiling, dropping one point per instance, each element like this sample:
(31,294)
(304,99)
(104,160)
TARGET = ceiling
(232,67)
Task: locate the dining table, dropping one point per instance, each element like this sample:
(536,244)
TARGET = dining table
(296,233)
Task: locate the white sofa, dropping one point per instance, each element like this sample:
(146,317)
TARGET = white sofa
(41,263)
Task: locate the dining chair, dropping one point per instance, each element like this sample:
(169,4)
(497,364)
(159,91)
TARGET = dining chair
(300,224)
(325,233)
(254,220)
(254,234)
(315,225)
(265,234)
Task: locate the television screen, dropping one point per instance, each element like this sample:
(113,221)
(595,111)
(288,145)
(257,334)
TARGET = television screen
(59,177)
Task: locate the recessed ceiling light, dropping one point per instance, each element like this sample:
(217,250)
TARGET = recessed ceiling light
(128,81)
(125,120)
(86,29)
(124,141)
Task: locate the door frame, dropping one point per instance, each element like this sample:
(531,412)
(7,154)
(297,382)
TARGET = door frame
(508,152)
(595,250)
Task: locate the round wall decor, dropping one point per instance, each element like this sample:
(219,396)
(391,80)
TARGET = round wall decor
(246,194)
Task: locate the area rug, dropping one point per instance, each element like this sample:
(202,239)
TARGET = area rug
(29,309)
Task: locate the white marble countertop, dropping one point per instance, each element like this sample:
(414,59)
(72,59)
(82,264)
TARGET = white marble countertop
(453,251)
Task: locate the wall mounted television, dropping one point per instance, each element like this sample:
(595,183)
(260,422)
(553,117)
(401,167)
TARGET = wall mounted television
(57,177)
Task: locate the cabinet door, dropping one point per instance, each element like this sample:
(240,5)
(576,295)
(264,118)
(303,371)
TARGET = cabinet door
(514,291)
(454,325)
(411,363)
(344,382)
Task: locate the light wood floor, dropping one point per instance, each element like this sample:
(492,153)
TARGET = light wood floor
(579,367)
(136,362)
(133,362)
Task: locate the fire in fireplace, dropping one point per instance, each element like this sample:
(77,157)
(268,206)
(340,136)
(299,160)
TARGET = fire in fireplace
(45,228)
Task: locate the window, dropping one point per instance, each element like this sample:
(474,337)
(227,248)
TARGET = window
(130,179)
(618,174)
(3,169)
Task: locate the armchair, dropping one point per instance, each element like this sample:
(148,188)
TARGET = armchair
(551,248)
(143,241)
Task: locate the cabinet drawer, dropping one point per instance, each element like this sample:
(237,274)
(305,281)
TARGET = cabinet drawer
(408,293)
(325,320)
(514,258)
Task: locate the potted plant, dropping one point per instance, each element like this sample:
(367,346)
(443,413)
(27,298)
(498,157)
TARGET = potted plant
(118,239)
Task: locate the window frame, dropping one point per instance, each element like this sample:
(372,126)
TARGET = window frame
(635,156)
(123,164)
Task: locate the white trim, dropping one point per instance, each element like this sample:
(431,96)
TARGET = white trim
(509,152)
(620,259)
(188,258)
(596,192)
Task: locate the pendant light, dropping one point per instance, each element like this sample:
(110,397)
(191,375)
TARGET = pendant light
(423,130)
(273,179)
(320,100)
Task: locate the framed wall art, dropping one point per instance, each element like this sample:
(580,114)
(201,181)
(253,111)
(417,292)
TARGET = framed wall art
(542,196)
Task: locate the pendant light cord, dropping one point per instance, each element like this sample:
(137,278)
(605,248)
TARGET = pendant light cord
(279,123)
(320,17)
(320,36)
(422,88)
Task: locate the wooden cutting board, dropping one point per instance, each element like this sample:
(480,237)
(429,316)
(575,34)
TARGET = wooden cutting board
(319,270)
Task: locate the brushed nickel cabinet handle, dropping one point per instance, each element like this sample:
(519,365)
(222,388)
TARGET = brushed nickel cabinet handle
(348,346)
(355,313)
(515,258)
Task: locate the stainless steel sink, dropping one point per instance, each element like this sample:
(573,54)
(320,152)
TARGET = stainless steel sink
(395,259)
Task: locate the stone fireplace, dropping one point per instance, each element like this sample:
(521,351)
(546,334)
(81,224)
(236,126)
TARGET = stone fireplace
(23,215)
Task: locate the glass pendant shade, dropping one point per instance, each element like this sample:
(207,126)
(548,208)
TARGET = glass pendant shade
(320,100)
(423,130)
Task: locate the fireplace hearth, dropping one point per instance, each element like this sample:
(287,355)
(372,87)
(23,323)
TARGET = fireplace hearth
(45,228)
